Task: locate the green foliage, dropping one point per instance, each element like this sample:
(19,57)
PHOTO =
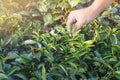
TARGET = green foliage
(34,44)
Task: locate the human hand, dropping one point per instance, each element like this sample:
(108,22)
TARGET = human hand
(80,17)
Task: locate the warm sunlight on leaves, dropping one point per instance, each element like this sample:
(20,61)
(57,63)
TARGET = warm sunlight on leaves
(35,45)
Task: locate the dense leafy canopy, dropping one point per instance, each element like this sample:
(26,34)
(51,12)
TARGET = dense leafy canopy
(34,44)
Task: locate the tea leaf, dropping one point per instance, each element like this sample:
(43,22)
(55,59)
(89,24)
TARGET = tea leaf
(73,2)
(12,70)
(29,42)
(3,76)
(43,73)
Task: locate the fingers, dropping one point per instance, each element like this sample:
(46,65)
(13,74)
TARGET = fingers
(71,20)
(78,25)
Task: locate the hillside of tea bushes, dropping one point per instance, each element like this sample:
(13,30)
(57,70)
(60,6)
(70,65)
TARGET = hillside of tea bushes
(35,45)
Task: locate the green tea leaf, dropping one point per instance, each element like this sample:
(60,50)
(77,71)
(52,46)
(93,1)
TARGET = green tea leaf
(22,76)
(48,18)
(29,42)
(1,66)
(12,70)
(117,74)
(113,39)
(25,58)
(3,76)
(73,2)
(43,73)
(63,69)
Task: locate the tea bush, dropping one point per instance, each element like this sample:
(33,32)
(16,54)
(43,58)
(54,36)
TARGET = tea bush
(34,44)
